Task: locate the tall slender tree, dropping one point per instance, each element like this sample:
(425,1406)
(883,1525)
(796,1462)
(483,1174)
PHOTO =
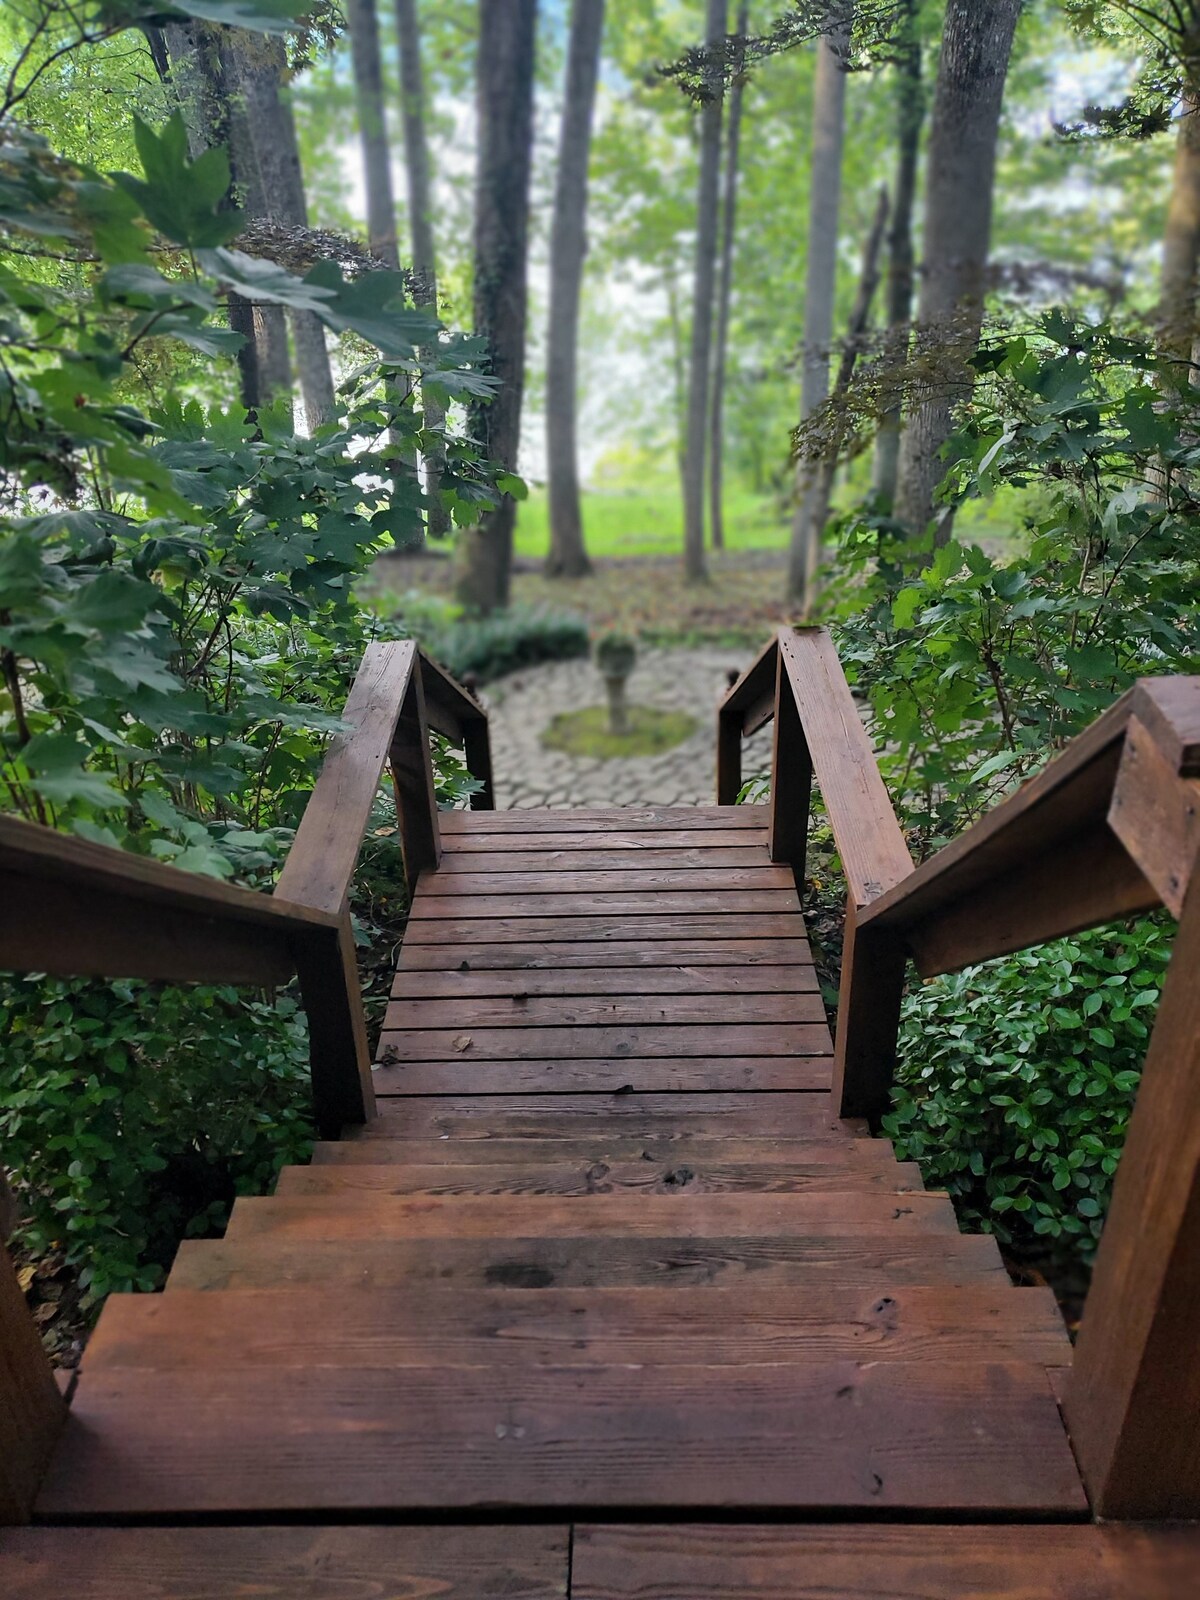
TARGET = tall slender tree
(707,223)
(716,444)
(901,274)
(567,557)
(825,169)
(960,176)
(504,92)
(372,129)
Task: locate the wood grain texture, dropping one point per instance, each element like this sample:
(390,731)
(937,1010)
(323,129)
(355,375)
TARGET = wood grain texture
(321,1327)
(583,1043)
(748,831)
(567,902)
(526,1011)
(644,880)
(628,819)
(601,856)
(517,955)
(1170,708)
(884,1436)
(499,1116)
(414,785)
(735,985)
(791,777)
(369,1215)
(883,1562)
(285,1563)
(1156,816)
(534,1071)
(864,1260)
(610,928)
(31,1409)
(697,1151)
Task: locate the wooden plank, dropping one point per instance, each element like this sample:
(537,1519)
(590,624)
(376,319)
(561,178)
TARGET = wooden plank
(634,1175)
(596,1043)
(524,1011)
(751,834)
(1133,1399)
(863,1260)
(1170,708)
(315,1327)
(736,984)
(552,1073)
(601,858)
(565,902)
(497,1116)
(285,1563)
(320,863)
(463,1216)
(31,1409)
(610,928)
(874,965)
(869,841)
(884,1436)
(1156,816)
(339,1052)
(790,953)
(698,1151)
(791,777)
(757,680)
(882,1560)
(721,879)
(630,819)
(413,781)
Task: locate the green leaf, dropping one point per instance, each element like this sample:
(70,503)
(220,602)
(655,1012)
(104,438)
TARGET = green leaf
(178,196)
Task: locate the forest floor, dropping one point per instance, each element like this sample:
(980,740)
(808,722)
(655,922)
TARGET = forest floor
(642,595)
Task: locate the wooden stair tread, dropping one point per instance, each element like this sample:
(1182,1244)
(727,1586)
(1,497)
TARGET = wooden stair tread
(513,1042)
(861,1259)
(797,1156)
(637,1176)
(628,984)
(493,1116)
(532,954)
(641,877)
(375,1327)
(882,1562)
(366,1214)
(527,1012)
(701,851)
(884,1436)
(285,1563)
(540,1069)
(605,925)
(540,819)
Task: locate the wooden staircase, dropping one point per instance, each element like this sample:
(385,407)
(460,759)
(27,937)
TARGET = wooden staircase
(602,1297)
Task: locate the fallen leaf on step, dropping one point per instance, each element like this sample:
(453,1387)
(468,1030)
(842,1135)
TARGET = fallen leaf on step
(463,1042)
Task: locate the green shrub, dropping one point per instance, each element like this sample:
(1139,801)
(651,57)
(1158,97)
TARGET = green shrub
(1017,1079)
(488,647)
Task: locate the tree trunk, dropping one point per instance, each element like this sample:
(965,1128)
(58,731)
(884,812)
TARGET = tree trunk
(716,439)
(910,114)
(504,88)
(568,247)
(707,223)
(420,223)
(372,128)
(829,120)
(1181,245)
(961,169)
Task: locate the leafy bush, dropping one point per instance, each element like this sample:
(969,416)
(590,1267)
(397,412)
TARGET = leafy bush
(488,647)
(1018,1077)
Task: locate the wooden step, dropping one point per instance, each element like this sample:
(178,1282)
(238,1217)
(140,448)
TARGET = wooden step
(863,1260)
(572,1116)
(689,1013)
(368,1215)
(533,954)
(598,855)
(531,1063)
(537,820)
(554,838)
(895,1437)
(315,1327)
(627,984)
(590,1177)
(612,878)
(570,902)
(882,1562)
(464,927)
(284,1563)
(798,1157)
(706,1042)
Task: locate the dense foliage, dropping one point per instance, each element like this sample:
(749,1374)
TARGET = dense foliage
(484,648)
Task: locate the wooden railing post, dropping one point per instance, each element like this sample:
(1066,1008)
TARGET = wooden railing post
(791,778)
(338,1047)
(1133,1398)
(412,774)
(729,755)
(32,1410)
(874,963)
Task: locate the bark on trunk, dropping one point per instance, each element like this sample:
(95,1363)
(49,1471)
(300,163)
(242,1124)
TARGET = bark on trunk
(960,176)
(707,222)
(829,121)
(910,114)
(1181,245)
(567,557)
(420,223)
(716,439)
(504,83)
(372,128)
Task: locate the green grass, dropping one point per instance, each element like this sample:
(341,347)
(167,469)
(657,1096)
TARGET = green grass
(586,733)
(648,521)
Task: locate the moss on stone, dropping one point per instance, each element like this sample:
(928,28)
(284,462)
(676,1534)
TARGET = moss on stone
(586,733)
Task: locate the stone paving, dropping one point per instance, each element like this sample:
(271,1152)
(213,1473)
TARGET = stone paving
(522,705)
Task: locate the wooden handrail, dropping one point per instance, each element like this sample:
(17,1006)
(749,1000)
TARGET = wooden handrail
(1109,828)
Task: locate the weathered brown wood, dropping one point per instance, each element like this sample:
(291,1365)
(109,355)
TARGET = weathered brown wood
(611,927)
(700,1152)
(733,984)
(90,910)
(1156,816)
(338,1048)
(232,1563)
(625,819)
(320,863)
(484,1328)
(719,1175)
(863,1260)
(595,1043)
(412,777)
(450,706)
(545,841)
(31,1408)
(614,878)
(524,1010)
(1169,708)
(882,1561)
(497,1116)
(791,778)
(432,907)
(874,961)
(464,1216)
(729,757)
(885,1436)
(1133,1399)
(477,755)
(550,1072)
(791,954)
(869,841)
(757,680)
(457,863)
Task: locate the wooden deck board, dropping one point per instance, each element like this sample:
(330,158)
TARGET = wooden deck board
(542,1072)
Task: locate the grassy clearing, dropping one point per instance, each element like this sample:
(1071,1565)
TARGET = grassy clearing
(587,733)
(648,521)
